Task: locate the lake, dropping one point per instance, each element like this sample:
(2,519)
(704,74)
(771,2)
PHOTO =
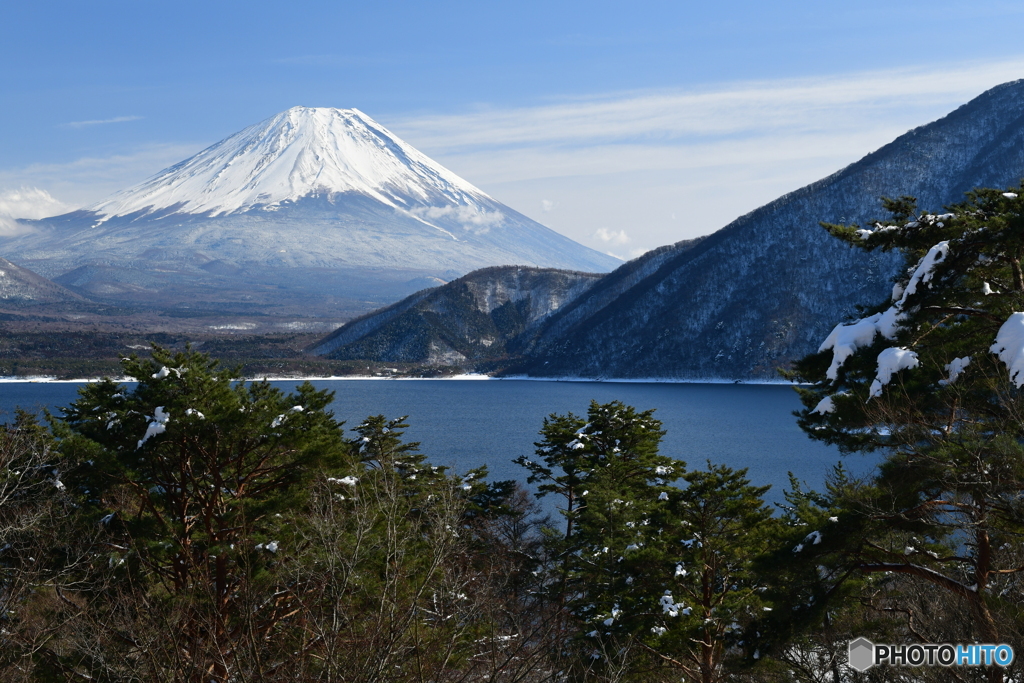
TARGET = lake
(467,423)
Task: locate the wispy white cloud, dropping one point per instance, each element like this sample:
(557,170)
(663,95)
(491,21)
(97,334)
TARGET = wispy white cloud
(100,122)
(614,239)
(661,117)
(9,227)
(30,202)
(470,218)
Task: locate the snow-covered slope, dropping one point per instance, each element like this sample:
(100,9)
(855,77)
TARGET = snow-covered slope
(322,208)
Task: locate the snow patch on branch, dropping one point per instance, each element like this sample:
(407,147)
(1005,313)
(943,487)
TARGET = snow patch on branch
(954,368)
(1009,347)
(897,291)
(866,234)
(925,269)
(813,538)
(672,608)
(825,405)
(844,340)
(165,372)
(158,425)
(615,615)
(891,361)
(280,419)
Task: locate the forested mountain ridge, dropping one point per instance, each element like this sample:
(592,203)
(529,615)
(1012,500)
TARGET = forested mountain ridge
(769,286)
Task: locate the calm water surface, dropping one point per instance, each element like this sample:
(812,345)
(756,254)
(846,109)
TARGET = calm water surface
(469,423)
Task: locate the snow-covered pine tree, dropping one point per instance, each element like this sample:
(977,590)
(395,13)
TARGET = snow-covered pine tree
(933,378)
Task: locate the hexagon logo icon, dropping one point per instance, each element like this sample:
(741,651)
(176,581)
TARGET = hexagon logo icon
(862,654)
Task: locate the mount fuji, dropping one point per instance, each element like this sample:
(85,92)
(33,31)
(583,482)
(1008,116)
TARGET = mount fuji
(313,211)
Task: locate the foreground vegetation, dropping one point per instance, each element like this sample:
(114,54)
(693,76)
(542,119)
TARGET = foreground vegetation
(196,529)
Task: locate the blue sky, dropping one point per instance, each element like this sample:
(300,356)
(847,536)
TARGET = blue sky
(624,126)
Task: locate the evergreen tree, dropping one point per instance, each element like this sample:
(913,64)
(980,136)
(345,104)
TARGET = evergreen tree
(197,480)
(615,486)
(396,583)
(380,544)
(718,527)
(656,581)
(812,587)
(933,378)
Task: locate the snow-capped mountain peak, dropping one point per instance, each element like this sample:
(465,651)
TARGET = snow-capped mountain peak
(310,210)
(300,152)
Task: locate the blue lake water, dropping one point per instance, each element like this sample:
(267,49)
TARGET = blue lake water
(469,423)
